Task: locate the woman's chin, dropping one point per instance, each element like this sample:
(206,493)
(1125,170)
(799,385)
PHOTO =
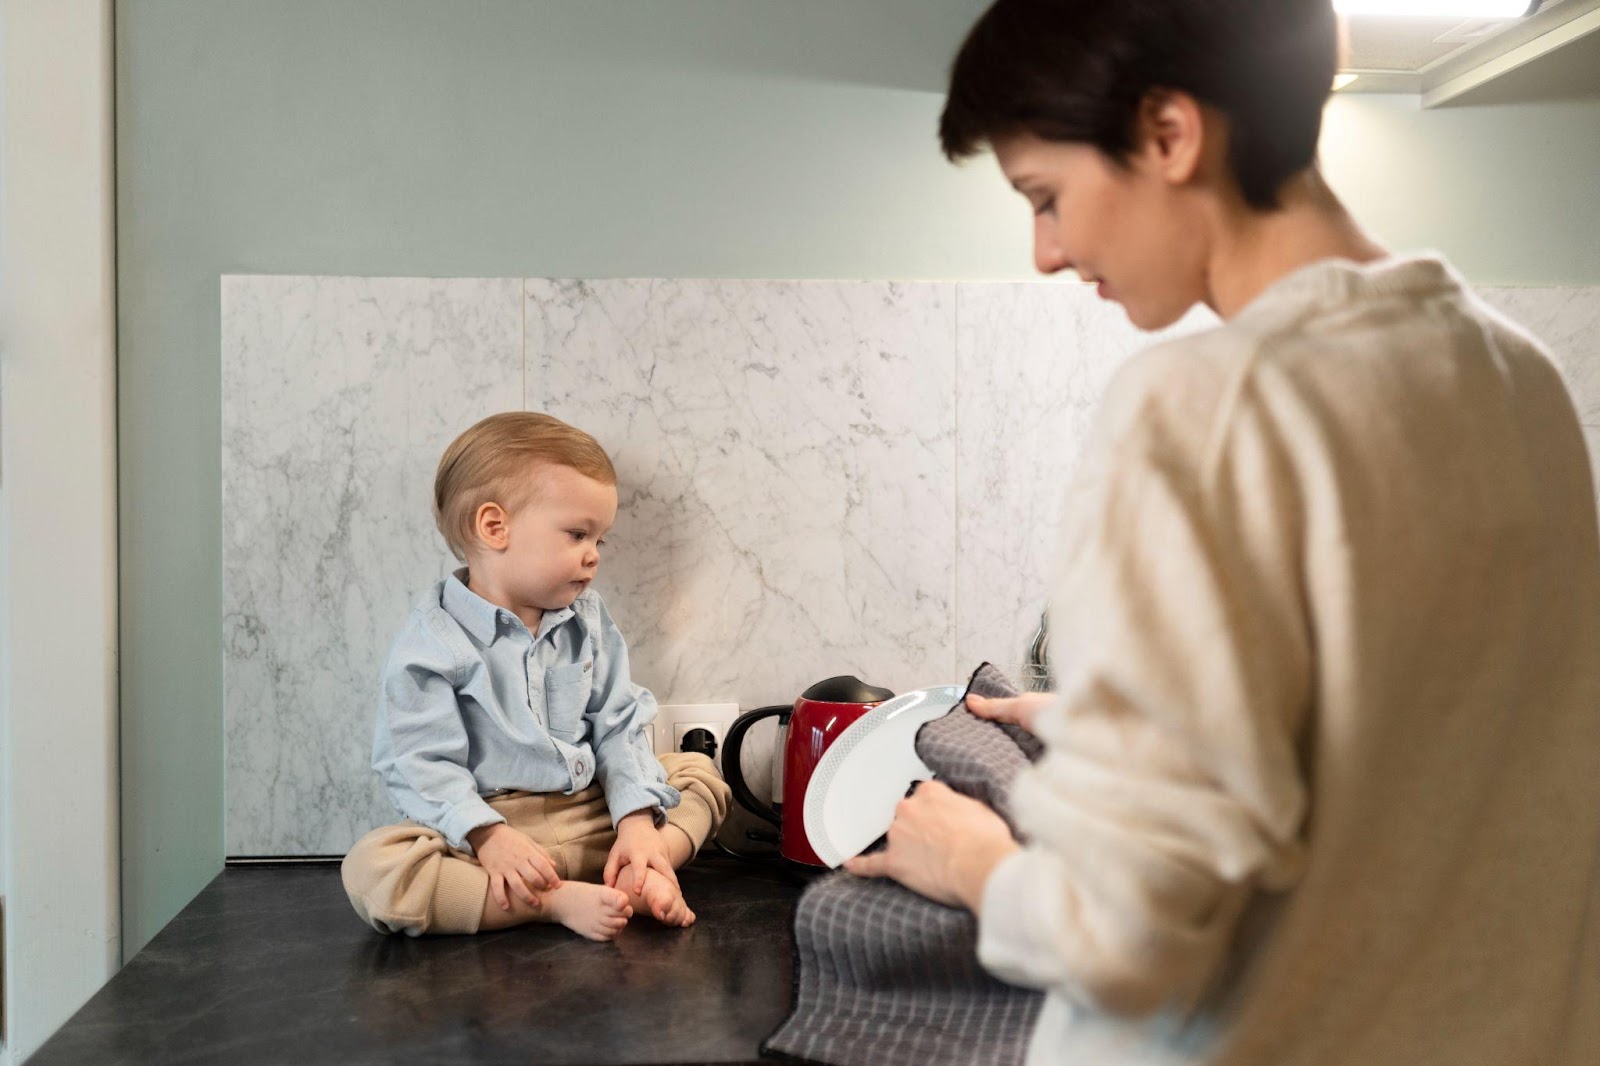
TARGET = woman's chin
(1150,319)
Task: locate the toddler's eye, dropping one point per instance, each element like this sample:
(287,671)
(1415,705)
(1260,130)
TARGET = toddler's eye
(577,534)
(601,543)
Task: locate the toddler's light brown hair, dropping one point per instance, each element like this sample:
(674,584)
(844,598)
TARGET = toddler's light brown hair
(489,464)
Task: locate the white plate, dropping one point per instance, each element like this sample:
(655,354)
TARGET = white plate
(851,797)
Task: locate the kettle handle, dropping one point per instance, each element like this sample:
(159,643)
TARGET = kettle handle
(734,772)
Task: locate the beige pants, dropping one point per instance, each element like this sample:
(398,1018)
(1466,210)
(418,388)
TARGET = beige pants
(406,879)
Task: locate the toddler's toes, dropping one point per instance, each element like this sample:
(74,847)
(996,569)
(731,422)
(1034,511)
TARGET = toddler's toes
(677,914)
(598,930)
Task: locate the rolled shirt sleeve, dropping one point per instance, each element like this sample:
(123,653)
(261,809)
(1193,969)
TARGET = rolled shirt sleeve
(420,745)
(626,766)
(1170,790)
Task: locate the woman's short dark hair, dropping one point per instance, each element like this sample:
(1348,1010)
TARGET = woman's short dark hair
(1078,70)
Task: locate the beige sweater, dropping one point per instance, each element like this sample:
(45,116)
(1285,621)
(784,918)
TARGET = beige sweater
(1323,784)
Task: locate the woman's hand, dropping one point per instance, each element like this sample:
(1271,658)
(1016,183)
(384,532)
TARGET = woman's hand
(640,848)
(514,863)
(1017,710)
(942,844)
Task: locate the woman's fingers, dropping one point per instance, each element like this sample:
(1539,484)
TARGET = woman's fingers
(1016,710)
(874,865)
(934,834)
(994,708)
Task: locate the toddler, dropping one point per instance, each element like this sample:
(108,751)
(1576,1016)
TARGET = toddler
(509,732)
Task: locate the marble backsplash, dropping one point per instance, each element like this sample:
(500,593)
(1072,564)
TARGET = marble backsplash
(815,478)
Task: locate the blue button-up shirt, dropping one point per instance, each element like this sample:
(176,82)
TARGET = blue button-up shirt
(474,703)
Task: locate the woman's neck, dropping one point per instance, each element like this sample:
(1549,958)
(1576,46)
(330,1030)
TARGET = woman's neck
(1253,249)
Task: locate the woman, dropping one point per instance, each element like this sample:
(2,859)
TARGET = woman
(1322,779)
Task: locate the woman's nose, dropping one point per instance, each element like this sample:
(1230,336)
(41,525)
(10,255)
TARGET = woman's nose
(1047,255)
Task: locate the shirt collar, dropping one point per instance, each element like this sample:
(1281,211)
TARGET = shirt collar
(483,619)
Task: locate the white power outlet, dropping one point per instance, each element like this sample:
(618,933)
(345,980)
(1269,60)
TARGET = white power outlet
(674,720)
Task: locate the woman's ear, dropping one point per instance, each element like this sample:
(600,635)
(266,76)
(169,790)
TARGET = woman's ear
(1173,135)
(491,523)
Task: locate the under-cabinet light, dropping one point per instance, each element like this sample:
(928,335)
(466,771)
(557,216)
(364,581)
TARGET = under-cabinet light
(1466,9)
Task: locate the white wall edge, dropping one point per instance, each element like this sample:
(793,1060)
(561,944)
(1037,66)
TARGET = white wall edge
(1447,83)
(59,831)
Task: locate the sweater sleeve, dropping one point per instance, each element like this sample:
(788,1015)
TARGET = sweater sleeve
(1170,789)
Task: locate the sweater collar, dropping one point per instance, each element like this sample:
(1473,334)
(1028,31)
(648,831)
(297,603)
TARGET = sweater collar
(1332,282)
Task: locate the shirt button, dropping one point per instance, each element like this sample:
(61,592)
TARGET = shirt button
(578,766)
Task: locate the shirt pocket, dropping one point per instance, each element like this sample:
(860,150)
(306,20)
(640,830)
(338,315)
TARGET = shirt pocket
(566,696)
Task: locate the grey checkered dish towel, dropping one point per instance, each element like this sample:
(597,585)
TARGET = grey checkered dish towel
(885,977)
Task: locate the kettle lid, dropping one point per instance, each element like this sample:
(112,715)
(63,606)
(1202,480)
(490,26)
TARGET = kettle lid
(846,688)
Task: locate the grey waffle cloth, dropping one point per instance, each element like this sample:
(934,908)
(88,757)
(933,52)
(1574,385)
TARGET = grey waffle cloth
(885,977)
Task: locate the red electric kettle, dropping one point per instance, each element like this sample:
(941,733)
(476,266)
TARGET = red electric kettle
(817,718)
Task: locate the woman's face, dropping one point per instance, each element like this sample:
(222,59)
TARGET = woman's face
(1129,229)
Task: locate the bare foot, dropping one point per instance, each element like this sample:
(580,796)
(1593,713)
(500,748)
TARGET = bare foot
(663,900)
(593,911)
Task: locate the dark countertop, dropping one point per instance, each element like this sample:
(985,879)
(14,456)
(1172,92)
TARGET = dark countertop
(270,965)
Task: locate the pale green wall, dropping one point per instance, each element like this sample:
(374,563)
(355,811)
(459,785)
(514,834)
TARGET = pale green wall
(1509,193)
(588,138)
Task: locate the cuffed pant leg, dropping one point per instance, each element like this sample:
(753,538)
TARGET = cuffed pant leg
(705,796)
(406,879)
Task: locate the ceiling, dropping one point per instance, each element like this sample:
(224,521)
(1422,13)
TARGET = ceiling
(1377,42)
(1551,54)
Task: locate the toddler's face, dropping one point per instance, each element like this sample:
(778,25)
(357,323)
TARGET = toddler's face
(555,537)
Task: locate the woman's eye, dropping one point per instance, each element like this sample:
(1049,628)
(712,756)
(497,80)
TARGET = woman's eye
(1045,207)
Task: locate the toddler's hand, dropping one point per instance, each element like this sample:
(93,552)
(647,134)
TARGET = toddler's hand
(639,846)
(513,862)
(1017,710)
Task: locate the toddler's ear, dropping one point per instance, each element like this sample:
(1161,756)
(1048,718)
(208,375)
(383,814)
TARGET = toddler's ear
(491,523)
